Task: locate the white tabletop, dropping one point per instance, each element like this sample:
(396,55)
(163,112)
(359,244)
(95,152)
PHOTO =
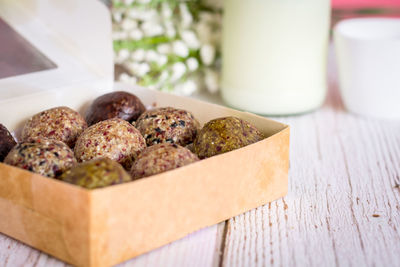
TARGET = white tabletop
(343,205)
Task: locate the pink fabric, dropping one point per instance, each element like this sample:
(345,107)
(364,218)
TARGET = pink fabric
(365,3)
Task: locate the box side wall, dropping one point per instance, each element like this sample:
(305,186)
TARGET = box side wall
(134,218)
(49,215)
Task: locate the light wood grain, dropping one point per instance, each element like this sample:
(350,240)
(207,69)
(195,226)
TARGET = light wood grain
(343,206)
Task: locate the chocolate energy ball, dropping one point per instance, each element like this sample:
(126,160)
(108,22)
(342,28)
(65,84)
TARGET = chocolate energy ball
(115,139)
(43,156)
(168,125)
(160,158)
(119,104)
(60,123)
(96,173)
(7,142)
(223,135)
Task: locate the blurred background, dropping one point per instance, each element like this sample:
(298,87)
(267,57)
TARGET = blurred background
(174,45)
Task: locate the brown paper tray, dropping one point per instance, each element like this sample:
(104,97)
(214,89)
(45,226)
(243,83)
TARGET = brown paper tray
(106,226)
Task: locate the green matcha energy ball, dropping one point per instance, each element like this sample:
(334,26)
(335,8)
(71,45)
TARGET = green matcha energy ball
(96,174)
(161,158)
(223,135)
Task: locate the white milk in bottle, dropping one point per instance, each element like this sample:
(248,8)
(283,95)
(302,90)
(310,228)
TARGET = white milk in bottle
(274,55)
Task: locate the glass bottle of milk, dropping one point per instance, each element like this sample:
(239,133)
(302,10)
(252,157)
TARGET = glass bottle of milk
(275,55)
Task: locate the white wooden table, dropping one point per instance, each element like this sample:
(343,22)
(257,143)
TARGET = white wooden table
(343,206)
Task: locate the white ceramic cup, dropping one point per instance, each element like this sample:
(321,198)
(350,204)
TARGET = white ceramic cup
(368,60)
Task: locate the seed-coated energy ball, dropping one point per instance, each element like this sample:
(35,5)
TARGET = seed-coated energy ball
(115,139)
(96,173)
(168,125)
(223,135)
(160,158)
(119,104)
(60,123)
(43,156)
(7,142)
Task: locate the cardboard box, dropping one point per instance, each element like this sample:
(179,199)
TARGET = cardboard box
(106,226)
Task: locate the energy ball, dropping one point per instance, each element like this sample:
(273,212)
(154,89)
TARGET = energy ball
(115,139)
(60,123)
(119,104)
(223,135)
(161,158)
(43,156)
(7,142)
(168,125)
(96,173)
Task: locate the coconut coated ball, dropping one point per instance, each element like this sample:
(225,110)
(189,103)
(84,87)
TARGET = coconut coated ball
(7,142)
(96,173)
(115,139)
(161,158)
(43,156)
(168,125)
(118,104)
(60,123)
(223,135)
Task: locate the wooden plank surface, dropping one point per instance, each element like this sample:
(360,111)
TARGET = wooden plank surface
(343,206)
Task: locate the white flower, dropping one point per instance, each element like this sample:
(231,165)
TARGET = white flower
(128,2)
(151,29)
(211,81)
(169,29)
(206,17)
(134,13)
(128,24)
(180,48)
(162,60)
(186,16)
(187,88)
(190,38)
(163,76)
(133,67)
(192,64)
(144,68)
(136,34)
(123,55)
(204,32)
(151,56)
(139,69)
(126,78)
(178,70)
(164,49)
(166,11)
(149,15)
(138,55)
(207,54)
(117,16)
